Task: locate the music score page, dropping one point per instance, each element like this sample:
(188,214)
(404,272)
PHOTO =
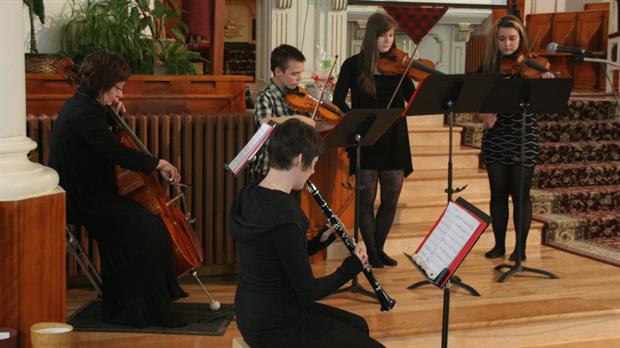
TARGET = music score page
(447,240)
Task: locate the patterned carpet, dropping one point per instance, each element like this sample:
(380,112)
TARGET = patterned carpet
(576,185)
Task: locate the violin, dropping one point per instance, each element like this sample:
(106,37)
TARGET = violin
(394,63)
(300,100)
(527,65)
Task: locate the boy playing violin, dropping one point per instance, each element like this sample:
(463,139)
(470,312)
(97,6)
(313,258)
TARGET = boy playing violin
(287,66)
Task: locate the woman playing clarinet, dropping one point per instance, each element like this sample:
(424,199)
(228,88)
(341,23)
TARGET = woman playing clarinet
(276,296)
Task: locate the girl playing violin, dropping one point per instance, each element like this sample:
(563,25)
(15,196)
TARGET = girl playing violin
(139,279)
(501,142)
(388,161)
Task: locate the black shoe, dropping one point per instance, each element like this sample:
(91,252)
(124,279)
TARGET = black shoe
(513,256)
(375,260)
(495,253)
(172,320)
(388,261)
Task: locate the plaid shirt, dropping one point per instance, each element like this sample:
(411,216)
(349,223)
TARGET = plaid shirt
(269,103)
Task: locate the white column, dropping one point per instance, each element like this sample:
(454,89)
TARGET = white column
(331,30)
(303,24)
(276,25)
(19,177)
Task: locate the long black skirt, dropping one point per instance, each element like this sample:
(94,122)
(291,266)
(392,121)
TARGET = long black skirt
(139,279)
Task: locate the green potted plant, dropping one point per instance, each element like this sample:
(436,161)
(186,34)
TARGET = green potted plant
(113,25)
(171,54)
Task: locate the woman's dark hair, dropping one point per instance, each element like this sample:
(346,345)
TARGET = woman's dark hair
(281,55)
(290,139)
(100,71)
(377,25)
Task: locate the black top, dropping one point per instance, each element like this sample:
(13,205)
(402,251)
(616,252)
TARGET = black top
(275,277)
(84,152)
(392,150)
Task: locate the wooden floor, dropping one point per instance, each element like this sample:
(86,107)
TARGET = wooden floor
(581,309)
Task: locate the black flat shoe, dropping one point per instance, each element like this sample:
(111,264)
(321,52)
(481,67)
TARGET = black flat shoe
(513,256)
(387,260)
(495,253)
(375,261)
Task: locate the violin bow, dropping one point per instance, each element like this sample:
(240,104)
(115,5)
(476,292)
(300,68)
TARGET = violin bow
(329,76)
(402,78)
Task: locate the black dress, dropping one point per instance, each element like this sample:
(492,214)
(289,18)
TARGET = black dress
(139,280)
(502,143)
(392,150)
(276,293)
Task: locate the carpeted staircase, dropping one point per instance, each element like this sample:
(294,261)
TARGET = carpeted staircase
(576,185)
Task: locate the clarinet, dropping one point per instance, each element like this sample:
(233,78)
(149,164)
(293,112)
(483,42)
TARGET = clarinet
(386,302)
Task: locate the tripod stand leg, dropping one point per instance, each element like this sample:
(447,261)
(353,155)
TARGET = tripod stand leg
(540,271)
(417,285)
(356,288)
(456,281)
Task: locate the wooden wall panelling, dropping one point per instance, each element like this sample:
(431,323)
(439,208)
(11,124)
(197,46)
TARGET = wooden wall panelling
(475,50)
(46,93)
(32,262)
(597,6)
(539,30)
(590,36)
(564,28)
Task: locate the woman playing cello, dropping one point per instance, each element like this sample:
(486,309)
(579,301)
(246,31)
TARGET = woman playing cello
(139,279)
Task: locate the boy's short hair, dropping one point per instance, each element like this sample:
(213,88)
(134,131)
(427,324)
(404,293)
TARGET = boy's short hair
(282,54)
(290,139)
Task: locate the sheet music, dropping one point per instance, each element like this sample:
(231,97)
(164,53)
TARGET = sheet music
(250,149)
(447,240)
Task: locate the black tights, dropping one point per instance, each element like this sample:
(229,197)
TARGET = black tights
(504,181)
(375,228)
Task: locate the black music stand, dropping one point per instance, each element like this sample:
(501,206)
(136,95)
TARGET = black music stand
(360,127)
(448,94)
(511,96)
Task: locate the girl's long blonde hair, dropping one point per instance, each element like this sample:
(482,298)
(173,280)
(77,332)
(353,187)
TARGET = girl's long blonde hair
(377,25)
(492,54)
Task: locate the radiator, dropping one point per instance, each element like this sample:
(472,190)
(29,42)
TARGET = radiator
(199,145)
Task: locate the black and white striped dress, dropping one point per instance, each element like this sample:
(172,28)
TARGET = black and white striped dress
(502,143)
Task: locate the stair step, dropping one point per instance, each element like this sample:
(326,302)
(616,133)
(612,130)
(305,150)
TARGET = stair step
(436,157)
(548,176)
(407,237)
(423,183)
(586,151)
(425,121)
(419,210)
(433,136)
(579,130)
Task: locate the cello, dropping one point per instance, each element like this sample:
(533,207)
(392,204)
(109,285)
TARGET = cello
(149,191)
